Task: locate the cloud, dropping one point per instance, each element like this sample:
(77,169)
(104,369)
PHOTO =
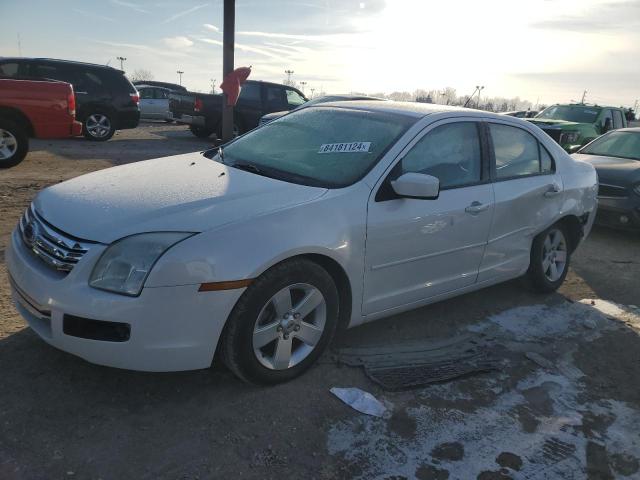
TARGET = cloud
(184,12)
(95,16)
(213,28)
(315,38)
(605,17)
(243,47)
(177,42)
(130,5)
(161,52)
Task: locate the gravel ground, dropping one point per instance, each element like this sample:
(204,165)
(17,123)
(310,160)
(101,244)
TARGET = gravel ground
(564,404)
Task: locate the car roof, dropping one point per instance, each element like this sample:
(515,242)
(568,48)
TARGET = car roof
(630,129)
(57,60)
(410,109)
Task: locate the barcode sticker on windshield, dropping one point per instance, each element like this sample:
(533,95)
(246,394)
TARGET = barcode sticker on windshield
(351,147)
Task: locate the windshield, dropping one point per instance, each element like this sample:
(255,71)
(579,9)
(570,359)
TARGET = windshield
(570,113)
(616,144)
(319,146)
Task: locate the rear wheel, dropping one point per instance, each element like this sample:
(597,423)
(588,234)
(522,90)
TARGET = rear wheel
(98,127)
(14,144)
(282,323)
(201,132)
(550,256)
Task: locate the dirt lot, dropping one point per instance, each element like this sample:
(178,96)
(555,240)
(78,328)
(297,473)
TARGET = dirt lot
(565,402)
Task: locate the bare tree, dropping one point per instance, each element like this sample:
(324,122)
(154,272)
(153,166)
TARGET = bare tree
(141,75)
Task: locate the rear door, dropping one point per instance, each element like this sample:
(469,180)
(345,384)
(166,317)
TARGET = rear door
(147,102)
(528,196)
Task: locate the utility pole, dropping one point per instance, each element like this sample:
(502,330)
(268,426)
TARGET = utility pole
(122,59)
(479,92)
(584,96)
(302,85)
(289,73)
(228,48)
(179,72)
(213,85)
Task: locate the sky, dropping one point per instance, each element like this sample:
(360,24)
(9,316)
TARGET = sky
(545,51)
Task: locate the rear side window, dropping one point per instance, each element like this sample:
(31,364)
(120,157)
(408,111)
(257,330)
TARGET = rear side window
(55,72)
(617,119)
(114,80)
(161,94)
(450,152)
(9,70)
(146,93)
(276,98)
(518,153)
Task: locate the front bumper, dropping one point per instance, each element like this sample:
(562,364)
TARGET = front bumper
(619,212)
(171,328)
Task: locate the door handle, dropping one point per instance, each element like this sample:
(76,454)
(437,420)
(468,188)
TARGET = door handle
(477,207)
(553,190)
(81,93)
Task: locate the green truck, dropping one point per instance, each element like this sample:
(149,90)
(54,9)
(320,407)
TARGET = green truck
(574,125)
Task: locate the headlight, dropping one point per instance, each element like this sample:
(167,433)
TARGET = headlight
(569,137)
(125,265)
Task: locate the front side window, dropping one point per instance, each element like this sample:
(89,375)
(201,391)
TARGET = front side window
(617,119)
(518,153)
(607,120)
(294,99)
(9,70)
(146,93)
(161,94)
(276,98)
(250,92)
(318,146)
(450,153)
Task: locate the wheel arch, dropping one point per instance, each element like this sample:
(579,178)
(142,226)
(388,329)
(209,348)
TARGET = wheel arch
(17,116)
(574,228)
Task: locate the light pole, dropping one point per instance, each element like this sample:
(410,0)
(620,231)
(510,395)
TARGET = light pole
(228,59)
(302,85)
(213,85)
(480,88)
(313,90)
(122,59)
(289,73)
(179,72)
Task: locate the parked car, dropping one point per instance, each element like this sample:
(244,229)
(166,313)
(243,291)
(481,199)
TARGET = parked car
(324,99)
(203,112)
(522,113)
(575,125)
(154,103)
(616,157)
(174,87)
(336,214)
(28,108)
(106,100)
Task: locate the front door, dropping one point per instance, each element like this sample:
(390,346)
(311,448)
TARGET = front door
(418,249)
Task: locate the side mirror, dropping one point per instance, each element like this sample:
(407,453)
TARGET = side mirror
(573,148)
(416,185)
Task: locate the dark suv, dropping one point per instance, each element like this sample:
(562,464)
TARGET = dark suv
(106,100)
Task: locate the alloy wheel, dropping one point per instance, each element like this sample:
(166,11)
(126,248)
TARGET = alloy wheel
(8,144)
(289,326)
(554,255)
(98,125)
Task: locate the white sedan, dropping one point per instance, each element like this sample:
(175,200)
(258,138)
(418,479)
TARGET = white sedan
(333,215)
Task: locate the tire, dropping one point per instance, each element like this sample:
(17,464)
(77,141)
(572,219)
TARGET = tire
(550,259)
(257,331)
(98,127)
(14,143)
(201,132)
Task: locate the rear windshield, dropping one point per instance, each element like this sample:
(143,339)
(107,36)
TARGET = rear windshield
(319,146)
(570,113)
(117,81)
(616,144)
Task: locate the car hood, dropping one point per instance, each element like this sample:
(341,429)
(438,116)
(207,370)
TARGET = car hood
(617,171)
(544,122)
(188,193)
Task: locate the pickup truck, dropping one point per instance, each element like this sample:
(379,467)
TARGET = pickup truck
(203,112)
(575,125)
(34,108)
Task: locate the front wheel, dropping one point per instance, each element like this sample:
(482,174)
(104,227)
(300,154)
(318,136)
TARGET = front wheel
(98,127)
(201,132)
(282,323)
(14,144)
(550,256)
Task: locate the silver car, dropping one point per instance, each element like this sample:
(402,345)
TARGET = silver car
(154,103)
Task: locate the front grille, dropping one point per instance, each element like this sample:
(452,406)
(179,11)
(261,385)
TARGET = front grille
(555,134)
(605,190)
(55,248)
